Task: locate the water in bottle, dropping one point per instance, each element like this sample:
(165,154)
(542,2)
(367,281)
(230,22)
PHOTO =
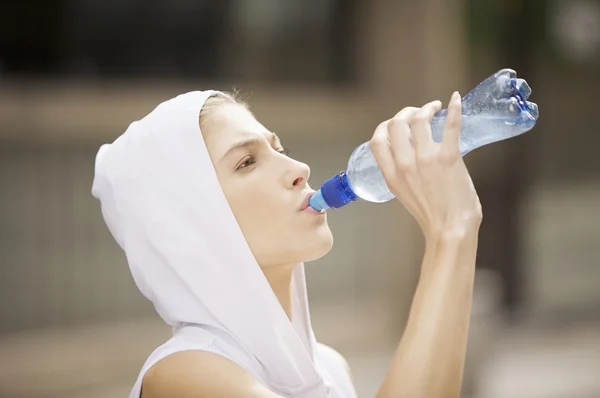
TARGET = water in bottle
(495,110)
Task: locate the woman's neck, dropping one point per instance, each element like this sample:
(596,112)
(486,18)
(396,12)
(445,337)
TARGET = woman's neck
(280,279)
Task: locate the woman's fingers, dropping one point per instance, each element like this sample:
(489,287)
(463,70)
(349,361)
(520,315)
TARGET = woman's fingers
(382,150)
(450,150)
(421,128)
(398,129)
(429,178)
(393,151)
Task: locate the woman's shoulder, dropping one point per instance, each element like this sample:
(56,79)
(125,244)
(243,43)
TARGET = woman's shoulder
(189,349)
(196,373)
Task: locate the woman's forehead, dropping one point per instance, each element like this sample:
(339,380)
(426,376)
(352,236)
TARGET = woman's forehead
(230,124)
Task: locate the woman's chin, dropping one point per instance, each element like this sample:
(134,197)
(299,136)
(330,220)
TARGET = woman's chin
(323,242)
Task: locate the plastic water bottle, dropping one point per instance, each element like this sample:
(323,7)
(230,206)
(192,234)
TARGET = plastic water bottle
(495,110)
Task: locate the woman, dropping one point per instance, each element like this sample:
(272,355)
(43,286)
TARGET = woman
(213,218)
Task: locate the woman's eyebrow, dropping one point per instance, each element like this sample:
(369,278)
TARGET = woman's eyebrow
(251,143)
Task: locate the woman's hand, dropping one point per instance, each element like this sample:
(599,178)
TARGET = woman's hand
(430,179)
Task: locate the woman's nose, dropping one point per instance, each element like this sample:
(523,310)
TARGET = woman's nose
(300,172)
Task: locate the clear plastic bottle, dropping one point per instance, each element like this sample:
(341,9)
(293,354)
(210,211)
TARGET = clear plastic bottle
(495,110)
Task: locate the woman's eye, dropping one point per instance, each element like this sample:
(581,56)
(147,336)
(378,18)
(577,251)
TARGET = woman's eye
(283,151)
(249,161)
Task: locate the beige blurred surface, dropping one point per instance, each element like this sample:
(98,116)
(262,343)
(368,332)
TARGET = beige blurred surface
(102,361)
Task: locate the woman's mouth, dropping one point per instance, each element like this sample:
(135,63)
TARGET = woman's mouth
(313,211)
(306,208)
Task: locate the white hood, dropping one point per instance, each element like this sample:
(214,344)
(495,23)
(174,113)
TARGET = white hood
(162,202)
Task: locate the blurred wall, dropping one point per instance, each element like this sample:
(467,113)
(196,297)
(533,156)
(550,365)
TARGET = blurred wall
(59,265)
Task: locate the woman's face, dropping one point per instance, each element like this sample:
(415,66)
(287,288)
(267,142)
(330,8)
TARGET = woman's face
(266,189)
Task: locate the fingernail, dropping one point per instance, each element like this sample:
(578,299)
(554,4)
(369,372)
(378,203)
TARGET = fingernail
(456,96)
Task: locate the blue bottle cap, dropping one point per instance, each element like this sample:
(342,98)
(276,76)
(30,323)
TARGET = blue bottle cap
(334,193)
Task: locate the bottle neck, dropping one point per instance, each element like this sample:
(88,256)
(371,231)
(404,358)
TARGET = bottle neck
(337,192)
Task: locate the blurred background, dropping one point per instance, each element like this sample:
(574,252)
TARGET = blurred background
(322,74)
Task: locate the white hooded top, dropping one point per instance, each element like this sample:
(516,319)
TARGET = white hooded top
(162,202)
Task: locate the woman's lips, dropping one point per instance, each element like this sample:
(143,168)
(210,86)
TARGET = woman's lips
(306,207)
(313,211)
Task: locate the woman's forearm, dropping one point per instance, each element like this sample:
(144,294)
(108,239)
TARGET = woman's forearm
(430,357)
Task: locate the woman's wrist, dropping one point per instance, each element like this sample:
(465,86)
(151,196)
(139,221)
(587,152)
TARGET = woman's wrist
(454,231)
(455,241)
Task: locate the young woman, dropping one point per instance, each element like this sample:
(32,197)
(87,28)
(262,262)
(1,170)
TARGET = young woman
(213,218)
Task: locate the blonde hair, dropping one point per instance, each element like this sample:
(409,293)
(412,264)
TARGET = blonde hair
(214,102)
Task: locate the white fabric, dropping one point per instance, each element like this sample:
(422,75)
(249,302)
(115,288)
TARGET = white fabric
(162,202)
